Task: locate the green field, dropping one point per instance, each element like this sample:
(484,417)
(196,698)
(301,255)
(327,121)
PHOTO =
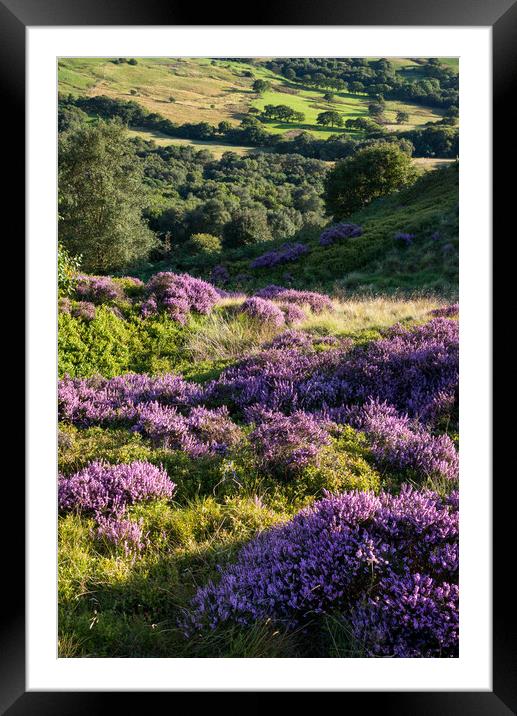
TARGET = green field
(214,90)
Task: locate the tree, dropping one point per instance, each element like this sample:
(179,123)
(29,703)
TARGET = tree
(402,117)
(247,226)
(372,172)
(260,86)
(101,198)
(328,96)
(224,127)
(331,117)
(375,109)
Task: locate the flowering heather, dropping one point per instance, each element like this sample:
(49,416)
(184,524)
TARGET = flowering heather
(339,231)
(64,305)
(263,311)
(384,564)
(84,310)
(317,302)
(127,533)
(103,401)
(106,490)
(286,253)
(286,444)
(402,444)
(415,370)
(446,311)
(292,313)
(149,307)
(179,294)
(291,340)
(219,275)
(202,432)
(403,238)
(97,289)
(274,379)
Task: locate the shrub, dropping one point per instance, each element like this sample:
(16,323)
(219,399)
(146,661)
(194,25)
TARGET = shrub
(263,311)
(83,310)
(386,565)
(179,294)
(287,444)
(219,275)
(97,289)
(203,431)
(317,302)
(285,254)
(67,268)
(101,489)
(204,244)
(339,231)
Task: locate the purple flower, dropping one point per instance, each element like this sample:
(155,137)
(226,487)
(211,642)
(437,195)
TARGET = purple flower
(219,275)
(97,289)
(317,302)
(286,253)
(179,294)
(84,310)
(104,489)
(446,311)
(263,311)
(339,231)
(369,560)
(286,444)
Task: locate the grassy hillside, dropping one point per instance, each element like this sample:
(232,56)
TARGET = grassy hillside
(200,89)
(371,262)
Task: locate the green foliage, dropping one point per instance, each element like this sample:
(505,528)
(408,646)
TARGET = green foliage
(371,173)
(260,86)
(331,117)
(204,243)
(343,465)
(67,268)
(247,226)
(101,197)
(111,345)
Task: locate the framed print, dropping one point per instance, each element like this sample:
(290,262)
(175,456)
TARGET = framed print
(259,354)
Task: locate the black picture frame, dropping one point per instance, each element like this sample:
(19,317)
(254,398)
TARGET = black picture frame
(15,17)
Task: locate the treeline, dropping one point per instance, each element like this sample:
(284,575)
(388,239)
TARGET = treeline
(430,83)
(432,141)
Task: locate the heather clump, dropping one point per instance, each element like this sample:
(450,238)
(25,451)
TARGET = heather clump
(317,302)
(97,289)
(350,554)
(286,444)
(178,295)
(286,253)
(84,310)
(201,432)
(101,489)
(338,232)
(263,311)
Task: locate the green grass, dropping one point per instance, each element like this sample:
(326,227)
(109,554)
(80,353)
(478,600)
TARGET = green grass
(216,148)
(216,90)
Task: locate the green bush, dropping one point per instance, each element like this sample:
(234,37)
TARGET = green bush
(204,244)
(111,344)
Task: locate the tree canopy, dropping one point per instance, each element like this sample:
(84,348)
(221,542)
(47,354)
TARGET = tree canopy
(101,197)
(371,173)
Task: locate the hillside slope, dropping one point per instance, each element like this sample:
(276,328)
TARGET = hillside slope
(209,90)
(375,261)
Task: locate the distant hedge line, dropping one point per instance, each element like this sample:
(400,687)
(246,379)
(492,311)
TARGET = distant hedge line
(430,141)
